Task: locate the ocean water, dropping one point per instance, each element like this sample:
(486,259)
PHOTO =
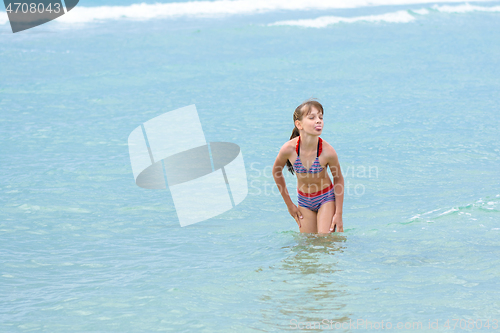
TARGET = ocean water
(412,106)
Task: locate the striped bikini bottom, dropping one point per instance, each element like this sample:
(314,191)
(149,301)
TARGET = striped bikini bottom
(314,200)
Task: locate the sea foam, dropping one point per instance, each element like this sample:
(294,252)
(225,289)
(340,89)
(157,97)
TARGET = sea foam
(142,11)
(3,18)
(465,8)
(401,16)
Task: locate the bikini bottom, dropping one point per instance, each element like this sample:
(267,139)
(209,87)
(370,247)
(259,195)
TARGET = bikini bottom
(313,201)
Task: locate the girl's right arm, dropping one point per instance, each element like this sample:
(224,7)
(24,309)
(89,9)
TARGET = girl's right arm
(283,156)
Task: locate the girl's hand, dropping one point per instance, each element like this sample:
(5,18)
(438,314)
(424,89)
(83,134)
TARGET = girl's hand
(337,222)
(296,214)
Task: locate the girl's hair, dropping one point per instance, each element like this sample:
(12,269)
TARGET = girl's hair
(300,111)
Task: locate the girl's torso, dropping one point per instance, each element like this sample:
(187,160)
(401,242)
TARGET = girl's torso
(310,167)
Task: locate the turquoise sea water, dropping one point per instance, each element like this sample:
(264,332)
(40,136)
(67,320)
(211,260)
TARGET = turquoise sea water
(412,110)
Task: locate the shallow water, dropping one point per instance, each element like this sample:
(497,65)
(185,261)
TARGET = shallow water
(411,108)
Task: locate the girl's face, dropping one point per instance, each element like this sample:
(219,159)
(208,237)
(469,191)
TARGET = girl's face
(311,123)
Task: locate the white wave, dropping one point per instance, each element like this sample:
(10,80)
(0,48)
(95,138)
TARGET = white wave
(422,11)
(465,8)
(3,18)
(401,16)
(449,211)
(144,11)
(432,211)
(395,17)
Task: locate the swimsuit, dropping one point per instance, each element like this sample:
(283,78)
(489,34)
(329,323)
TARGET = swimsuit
(312,201)
(315,168)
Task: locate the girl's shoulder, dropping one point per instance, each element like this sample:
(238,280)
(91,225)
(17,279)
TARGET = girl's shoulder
(288,147)
(292,143)
(327,149)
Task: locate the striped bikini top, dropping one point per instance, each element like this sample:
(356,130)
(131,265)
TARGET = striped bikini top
(315,168)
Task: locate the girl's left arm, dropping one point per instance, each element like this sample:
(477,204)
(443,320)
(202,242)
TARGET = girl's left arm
(338,189)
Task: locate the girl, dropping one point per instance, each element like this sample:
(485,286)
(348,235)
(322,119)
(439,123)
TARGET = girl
(320,201)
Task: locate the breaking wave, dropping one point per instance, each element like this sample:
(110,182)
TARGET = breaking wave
(402,16)
(142,11)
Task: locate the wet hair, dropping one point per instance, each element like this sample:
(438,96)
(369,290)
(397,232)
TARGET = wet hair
(302,110)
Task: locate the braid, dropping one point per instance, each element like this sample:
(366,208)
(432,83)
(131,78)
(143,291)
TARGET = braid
(295,133)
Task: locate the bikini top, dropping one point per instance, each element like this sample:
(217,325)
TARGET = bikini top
(315,168)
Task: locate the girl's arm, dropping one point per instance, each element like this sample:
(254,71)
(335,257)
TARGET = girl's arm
(278,166)
(338,188)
